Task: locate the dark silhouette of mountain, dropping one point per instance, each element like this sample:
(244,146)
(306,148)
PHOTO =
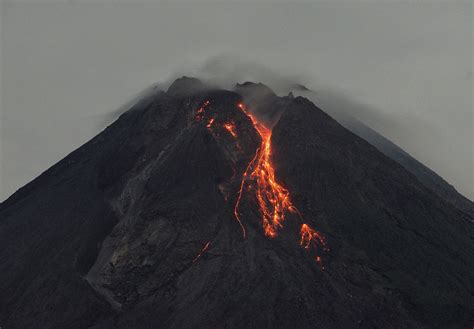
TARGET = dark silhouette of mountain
(187,212)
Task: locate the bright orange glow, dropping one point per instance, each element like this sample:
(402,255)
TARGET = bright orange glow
(239,197)
(310,237)
(259,179)
(209,124)
(273,199)
(203,250)
(231,129)
(201,111)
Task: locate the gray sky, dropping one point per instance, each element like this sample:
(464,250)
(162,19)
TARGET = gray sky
(67,64)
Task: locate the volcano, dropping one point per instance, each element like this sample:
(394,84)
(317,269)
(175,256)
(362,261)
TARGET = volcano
(208,208)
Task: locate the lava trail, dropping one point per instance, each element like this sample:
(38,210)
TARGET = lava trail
(259,177)
(310,237)
(273,199)
(203,250)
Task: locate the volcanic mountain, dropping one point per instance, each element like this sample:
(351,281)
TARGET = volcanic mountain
(346,112)
(209,208)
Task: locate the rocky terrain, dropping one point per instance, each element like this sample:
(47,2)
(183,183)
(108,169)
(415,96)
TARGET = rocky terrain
(209,208)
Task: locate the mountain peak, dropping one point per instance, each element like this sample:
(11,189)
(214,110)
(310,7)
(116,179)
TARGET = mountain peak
(185,86)
(254,91)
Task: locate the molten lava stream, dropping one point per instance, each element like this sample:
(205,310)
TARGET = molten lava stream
(311,237)
(203,250)
(273,199)
(230,127)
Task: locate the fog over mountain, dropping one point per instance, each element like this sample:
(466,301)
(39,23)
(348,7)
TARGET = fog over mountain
(404,69)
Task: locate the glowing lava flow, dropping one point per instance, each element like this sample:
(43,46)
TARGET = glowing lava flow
(209,124)
(241,189)
(311,237)
(201,111)
(273,199)
(203,250)
(230,127)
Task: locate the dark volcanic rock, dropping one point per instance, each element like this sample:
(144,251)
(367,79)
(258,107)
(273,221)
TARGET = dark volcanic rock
(186,86)
(419,247)
(254,91)
(424,174)
(136,229)
(344,111)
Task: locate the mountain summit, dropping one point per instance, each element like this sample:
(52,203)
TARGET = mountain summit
(208,208)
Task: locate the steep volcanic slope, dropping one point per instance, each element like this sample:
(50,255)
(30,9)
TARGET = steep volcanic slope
(345,112)
(143,227)
(424,174)
(419,244)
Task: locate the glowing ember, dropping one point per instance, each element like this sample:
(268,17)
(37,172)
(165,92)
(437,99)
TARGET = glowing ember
(203,250)
(209,124)
(231,129)
(273,199)
(310,236)
(201,111)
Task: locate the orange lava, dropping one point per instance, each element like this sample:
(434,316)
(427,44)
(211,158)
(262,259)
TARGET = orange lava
(310,236)
(231,129)
(241,189)
(209,124)
(259,177)
(273,199)
(203,250)
(201,111)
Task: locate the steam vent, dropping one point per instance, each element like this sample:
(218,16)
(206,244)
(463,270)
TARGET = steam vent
(209,208)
